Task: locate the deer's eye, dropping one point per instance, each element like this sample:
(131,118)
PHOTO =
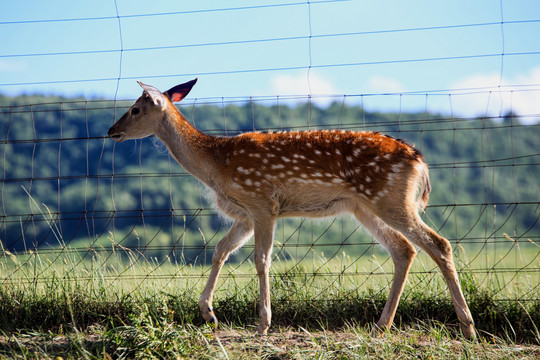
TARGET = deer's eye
(135,111)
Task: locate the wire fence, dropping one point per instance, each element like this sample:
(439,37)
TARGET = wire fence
(77,206)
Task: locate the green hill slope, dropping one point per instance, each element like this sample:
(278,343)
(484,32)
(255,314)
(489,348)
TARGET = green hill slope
(64,182)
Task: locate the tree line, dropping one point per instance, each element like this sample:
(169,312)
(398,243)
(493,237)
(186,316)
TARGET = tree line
(66,184)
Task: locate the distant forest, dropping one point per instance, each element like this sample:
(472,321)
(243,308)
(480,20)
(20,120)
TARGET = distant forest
(64,183)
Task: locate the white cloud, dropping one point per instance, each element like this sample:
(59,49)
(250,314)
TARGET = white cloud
(298,85)
(475,95)
(381,84)
(491,100)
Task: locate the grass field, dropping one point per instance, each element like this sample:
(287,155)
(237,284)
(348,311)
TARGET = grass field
(162,339)
(122,305)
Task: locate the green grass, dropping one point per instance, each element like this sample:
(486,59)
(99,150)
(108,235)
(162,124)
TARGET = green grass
(153,334)
(122,305)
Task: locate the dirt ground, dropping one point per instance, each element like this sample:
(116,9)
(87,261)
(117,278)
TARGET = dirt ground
(289,344)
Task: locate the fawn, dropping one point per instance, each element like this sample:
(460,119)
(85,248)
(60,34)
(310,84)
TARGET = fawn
(260,177)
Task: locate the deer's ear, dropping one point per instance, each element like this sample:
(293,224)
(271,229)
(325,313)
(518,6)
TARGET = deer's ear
(179,92)
(156,95)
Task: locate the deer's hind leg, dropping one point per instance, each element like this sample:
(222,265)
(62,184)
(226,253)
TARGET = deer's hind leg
(402,253)
(439,249)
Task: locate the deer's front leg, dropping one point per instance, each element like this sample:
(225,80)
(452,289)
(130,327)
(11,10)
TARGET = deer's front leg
(264,237)
(237,235)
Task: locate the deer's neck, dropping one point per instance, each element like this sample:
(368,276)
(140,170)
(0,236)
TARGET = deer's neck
(189,146)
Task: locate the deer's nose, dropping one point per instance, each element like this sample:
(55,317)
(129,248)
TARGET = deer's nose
(115,134)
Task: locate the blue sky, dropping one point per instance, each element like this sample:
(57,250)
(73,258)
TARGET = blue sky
(268,48)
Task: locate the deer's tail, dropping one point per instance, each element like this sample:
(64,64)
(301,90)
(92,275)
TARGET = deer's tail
(425,185)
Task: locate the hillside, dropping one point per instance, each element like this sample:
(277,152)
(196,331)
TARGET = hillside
(65,183)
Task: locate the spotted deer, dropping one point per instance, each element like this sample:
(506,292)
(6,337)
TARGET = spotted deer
(260,177)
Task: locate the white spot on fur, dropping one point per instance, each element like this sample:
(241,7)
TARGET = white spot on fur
(391,178)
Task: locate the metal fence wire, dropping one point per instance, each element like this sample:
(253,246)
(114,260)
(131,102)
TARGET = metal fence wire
(77,206)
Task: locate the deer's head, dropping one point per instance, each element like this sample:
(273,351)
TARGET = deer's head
(143,118)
